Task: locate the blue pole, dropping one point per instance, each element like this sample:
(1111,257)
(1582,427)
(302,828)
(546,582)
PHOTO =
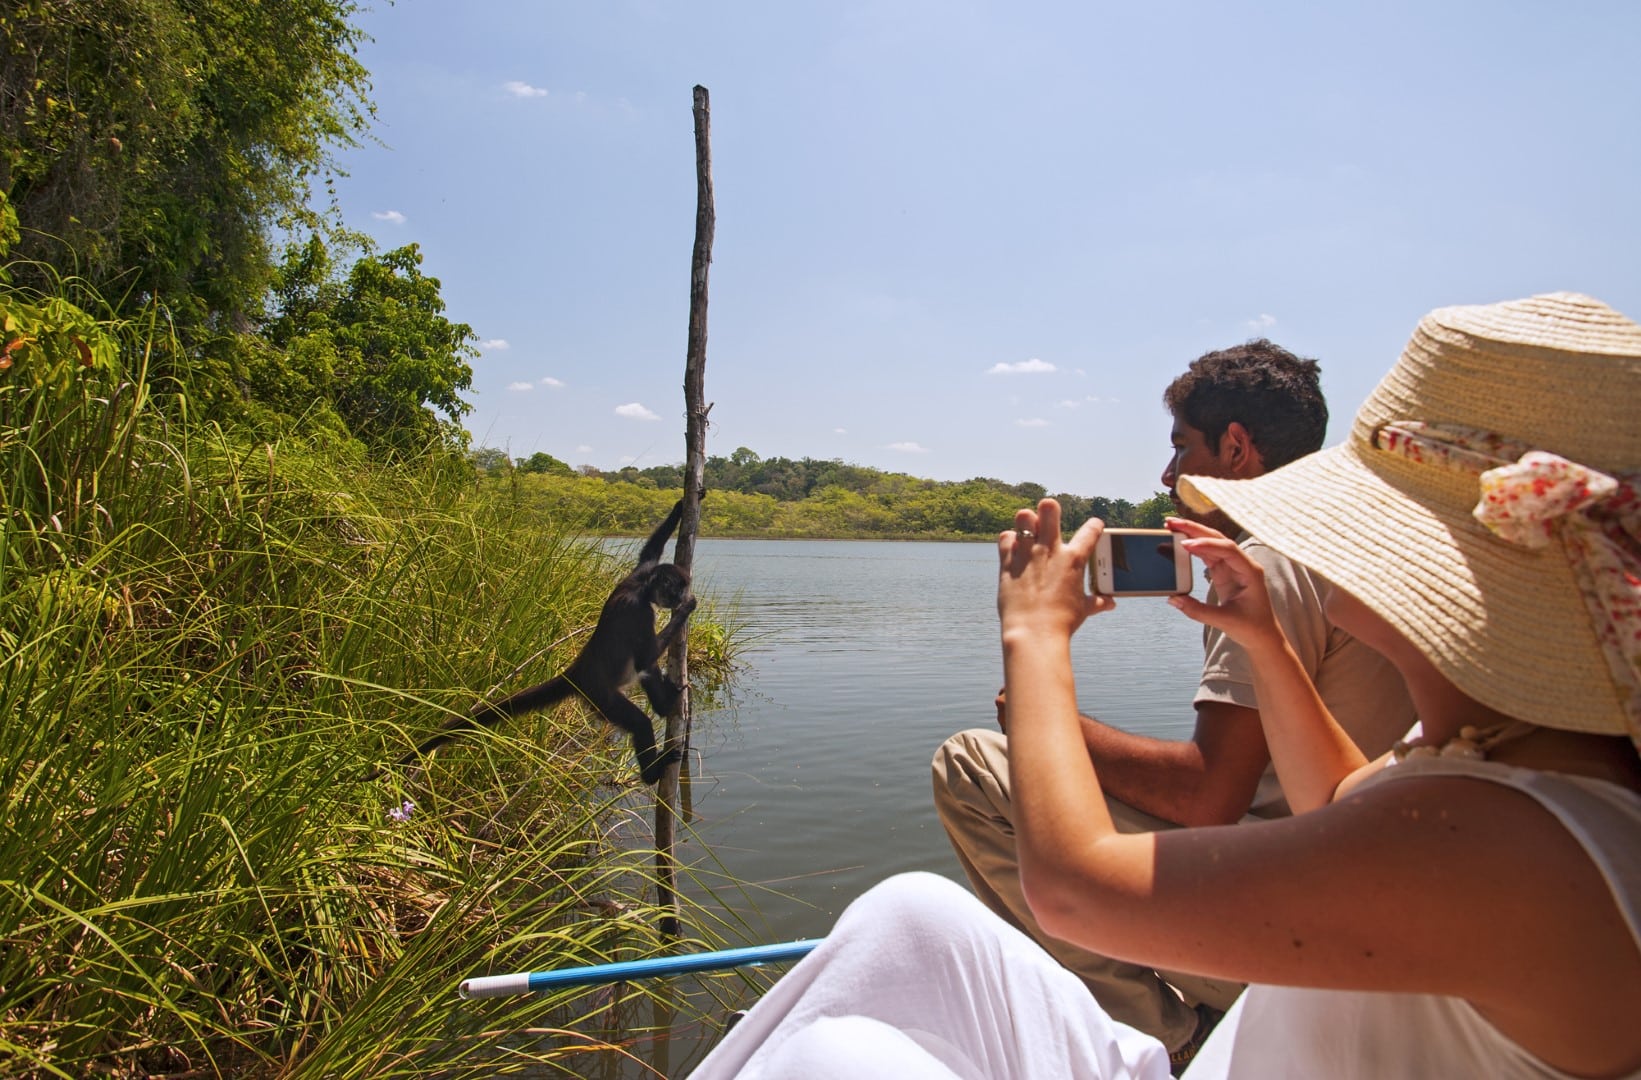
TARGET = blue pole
(595,974)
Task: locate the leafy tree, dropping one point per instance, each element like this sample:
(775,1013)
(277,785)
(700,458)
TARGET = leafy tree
(488,459)
(1074,510)
(1149,514)
(153,142)
(665,476)
(539,462)
(374,347)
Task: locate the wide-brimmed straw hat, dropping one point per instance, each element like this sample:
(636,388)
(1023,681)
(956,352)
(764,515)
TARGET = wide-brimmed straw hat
(1526,414)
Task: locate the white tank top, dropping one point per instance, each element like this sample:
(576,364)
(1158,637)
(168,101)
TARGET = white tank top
(1273,1031)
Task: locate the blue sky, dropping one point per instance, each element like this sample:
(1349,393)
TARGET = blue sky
(966,239)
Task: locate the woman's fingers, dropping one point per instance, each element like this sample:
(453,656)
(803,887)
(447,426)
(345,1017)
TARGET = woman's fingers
(1187,527)
(1048,522)
(1207,614)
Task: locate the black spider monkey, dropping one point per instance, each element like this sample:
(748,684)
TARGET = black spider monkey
(624,647)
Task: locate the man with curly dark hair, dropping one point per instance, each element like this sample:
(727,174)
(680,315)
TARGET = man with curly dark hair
(1276,395)
(1237,413)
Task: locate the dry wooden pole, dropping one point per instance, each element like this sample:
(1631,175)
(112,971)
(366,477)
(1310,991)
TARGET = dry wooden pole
(695,457)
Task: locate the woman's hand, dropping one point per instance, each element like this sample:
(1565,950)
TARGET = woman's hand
(1243,610)
(1040,583)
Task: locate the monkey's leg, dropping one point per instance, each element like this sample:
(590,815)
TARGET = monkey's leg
(664,693)
(635,722)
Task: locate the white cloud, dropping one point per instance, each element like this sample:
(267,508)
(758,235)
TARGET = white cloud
(495,344)
(521,386)
(523,89)
(634,411)
(907,448)
(1033,366)
(391,216)
(583,449)
(1263,322)
(1035,421)
(840,431)
(1068,404)
(549,381)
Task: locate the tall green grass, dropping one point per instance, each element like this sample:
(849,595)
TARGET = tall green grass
(206,645)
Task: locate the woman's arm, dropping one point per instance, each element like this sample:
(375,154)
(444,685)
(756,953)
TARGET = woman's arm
(1312,753)
(1413,885)
(1040,604)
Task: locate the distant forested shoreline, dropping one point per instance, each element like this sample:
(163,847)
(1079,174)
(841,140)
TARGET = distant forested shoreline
(786,498)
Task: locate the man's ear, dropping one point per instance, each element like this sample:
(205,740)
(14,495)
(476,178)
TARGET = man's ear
(1238,454)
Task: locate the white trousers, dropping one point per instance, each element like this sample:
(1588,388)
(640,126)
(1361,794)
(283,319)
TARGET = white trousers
(918,979)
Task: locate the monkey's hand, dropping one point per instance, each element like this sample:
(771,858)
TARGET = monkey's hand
(683,610)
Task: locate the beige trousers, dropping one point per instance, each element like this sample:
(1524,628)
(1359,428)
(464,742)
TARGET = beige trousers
(971,793)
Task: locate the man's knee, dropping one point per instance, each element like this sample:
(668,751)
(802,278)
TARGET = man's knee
(976,758)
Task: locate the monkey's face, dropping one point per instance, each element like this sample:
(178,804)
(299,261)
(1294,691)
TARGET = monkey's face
(668,586)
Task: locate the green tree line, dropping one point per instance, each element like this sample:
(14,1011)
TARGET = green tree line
(805,497)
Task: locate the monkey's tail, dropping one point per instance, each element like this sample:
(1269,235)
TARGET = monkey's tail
(489,713)
(528,700)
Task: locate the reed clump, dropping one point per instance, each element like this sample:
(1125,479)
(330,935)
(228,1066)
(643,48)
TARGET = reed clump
(206,645)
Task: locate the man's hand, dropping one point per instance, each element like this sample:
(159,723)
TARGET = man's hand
(1002,712)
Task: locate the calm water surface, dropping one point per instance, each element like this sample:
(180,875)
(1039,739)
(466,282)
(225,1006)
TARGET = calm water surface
(864,656)
(814,782)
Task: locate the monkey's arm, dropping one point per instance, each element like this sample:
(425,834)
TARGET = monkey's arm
(662,691)
(675,625)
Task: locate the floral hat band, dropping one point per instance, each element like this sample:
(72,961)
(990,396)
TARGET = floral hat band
(1528,498)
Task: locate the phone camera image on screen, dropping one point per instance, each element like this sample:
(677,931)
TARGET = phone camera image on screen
(1142,563)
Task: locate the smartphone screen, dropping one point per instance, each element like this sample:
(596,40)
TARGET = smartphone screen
(1139,562)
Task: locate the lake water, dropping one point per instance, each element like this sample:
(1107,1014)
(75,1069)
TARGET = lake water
(863,656)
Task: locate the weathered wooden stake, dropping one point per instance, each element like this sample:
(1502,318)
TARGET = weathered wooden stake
(695,456)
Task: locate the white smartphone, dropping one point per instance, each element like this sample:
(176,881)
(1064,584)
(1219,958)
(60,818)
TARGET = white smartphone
(1140,562)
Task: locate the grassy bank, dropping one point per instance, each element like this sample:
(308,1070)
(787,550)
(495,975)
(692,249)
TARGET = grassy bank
(207,644)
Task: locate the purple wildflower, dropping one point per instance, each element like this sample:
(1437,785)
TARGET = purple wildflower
(402,813)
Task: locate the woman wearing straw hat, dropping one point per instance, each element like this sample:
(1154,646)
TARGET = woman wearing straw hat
(1470,907)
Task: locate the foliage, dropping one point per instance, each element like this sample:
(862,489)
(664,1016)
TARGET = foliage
(488,459)
(368,354)
(780,497)
(152,142)
(206,645)
(1150,513)
(539,462)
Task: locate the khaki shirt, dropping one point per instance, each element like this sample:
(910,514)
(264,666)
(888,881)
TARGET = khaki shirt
(1362,690)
